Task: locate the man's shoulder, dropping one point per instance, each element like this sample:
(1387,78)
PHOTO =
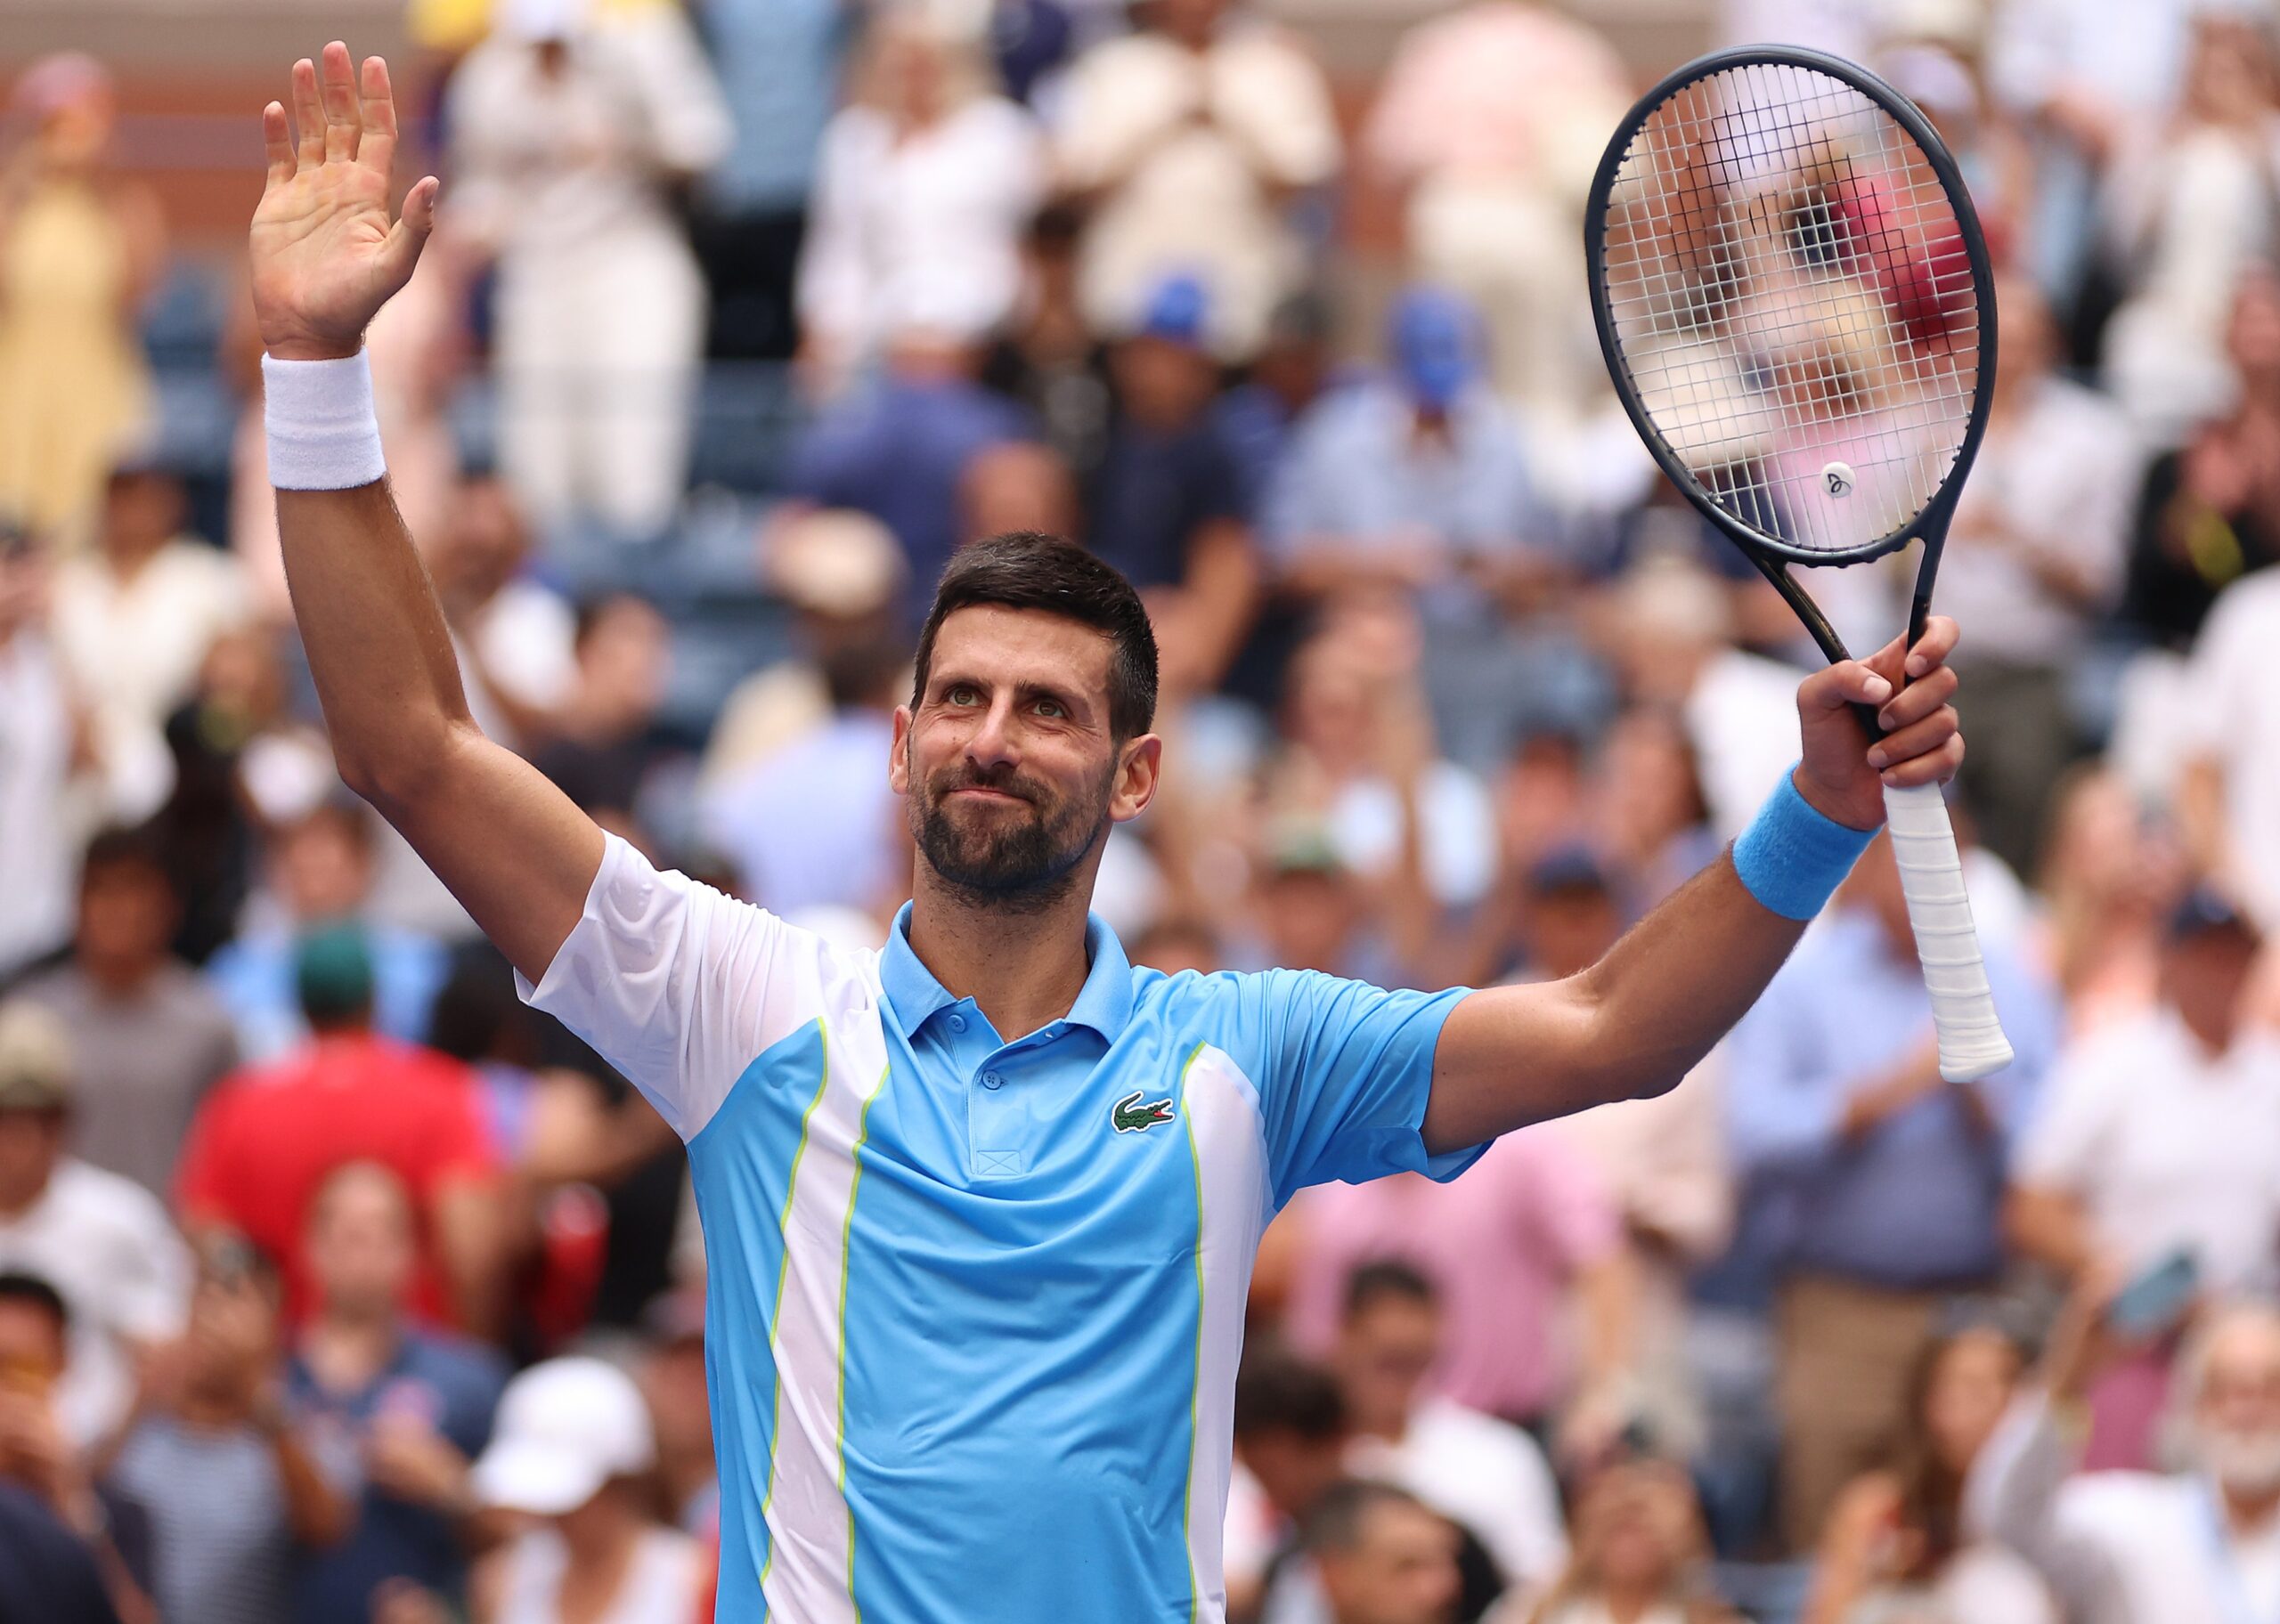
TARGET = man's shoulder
(83,1194)
(1456,1431)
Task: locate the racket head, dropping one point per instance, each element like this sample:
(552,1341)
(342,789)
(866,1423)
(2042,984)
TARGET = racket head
(1793,298)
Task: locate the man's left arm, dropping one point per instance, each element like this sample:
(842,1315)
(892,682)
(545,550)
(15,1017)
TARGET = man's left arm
(1640,1019)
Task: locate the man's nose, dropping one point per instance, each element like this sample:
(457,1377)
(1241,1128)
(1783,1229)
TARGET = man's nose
(992,743)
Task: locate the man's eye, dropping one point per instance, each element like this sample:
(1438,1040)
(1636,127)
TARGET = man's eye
(1052,708)
(960,694)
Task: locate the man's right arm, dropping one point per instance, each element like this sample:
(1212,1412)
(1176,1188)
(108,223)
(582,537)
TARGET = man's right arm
(325,256)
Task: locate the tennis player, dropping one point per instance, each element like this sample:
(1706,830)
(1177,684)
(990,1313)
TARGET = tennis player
(979,1207)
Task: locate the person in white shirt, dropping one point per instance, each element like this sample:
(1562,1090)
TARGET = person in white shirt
(2041,539)
(2199,1545)
(1189,134)
(1483,1474)
(926,183)
(2157,1137)
(103,1240)
(2228,798)
(570,127)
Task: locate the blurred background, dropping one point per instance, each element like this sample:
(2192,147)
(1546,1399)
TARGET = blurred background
(741,318)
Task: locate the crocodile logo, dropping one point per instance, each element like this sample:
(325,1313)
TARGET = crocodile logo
(1130,1116)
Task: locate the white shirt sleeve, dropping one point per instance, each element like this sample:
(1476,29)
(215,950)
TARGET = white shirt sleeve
(680,987)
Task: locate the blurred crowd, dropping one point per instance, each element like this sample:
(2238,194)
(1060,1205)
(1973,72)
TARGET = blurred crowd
(336,1285)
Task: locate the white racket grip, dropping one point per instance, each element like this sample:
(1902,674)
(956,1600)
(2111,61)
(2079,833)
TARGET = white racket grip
(1972,1043)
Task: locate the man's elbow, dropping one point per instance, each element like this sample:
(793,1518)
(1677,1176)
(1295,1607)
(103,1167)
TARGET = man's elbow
(410,771)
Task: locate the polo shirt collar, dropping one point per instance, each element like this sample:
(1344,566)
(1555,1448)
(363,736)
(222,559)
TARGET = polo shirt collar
(1103,1004)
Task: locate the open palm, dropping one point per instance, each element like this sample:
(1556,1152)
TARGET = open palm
(325,255)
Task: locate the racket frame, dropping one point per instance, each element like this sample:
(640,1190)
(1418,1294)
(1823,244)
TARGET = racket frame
(1770,554)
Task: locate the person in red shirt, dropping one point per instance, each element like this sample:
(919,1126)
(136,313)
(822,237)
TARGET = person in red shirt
(266,1138)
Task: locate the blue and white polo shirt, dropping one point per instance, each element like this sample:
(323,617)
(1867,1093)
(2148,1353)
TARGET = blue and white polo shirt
(975,1306)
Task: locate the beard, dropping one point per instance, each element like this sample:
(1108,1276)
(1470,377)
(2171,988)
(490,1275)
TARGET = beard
(2244,1462)
(1021,857)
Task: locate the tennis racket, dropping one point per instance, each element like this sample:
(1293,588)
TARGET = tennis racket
(1794,298)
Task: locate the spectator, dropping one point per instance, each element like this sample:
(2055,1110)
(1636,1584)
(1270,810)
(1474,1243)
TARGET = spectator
(2189,209)
(1642,1555)
(1187,137)
(1875,1186)
(2111,874)
(1493,183)
(898,447)
(514,634)
(1290,372)
(926,181)
(1487,1476)
(1418,483)
(2230,797)
(47,1572)
(38,1457)
(80,247)
(1046,355)
(674,1383)
(2041,546)
(102,1240)
(264,1142)
(37,765)
(2209,511)
(1384,1556)
(1505,1248)
(136,614)
(1165,504)
(232,1490)
(2155,1140)
(570,126)
(148,1037)
(2147,1547)
(572,1445)
(812,825)
(1896,1537)
(1290,1439)
(1650,813)
(321,872)
(399,1411)
(779,67)
(606,744)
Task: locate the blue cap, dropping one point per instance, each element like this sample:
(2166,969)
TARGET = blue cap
(1434,337)
(1176,310)
(2204,909)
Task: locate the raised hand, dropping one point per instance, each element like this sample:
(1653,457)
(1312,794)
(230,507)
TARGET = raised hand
(325,254)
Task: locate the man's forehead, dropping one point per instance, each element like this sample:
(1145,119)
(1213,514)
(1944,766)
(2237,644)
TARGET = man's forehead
(992,641)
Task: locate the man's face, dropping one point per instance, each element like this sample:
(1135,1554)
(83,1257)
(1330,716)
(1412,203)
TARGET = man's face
(361,1253)
(126,912)
(2237,1414)
(323,870)
(1007,762)
(2203,975)
(1383,1355)
(31,1348)
(30,1144)
(1402,1569)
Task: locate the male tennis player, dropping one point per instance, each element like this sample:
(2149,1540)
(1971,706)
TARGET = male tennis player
(979,1207)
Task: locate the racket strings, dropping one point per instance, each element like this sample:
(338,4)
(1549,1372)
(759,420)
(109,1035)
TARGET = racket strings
(1793,301)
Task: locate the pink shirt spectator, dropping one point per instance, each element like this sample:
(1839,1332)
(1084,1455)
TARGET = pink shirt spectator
(1500,1243)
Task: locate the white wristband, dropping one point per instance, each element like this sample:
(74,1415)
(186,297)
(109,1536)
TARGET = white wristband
(324,433)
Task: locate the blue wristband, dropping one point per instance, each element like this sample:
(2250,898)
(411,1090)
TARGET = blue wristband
(1791,857)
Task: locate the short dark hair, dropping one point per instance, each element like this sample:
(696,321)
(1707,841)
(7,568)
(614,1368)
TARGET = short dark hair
(121,846)
(1336,1522)
(1278,1391)
(1388,1278)
(1025,569)
(16,1285)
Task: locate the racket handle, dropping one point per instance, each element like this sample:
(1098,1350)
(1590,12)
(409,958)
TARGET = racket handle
(1972,1043)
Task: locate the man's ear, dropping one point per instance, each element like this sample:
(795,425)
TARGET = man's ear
(1136,777)
(899,752)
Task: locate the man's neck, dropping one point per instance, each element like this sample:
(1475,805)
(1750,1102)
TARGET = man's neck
(120,977)
(345,1351)
(1627,1603)
(1022,969)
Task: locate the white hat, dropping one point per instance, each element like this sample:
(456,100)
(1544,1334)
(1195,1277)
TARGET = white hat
(566,1427)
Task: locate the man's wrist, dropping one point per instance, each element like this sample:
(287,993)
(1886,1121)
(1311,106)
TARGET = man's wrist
(312,349)
(1794,854)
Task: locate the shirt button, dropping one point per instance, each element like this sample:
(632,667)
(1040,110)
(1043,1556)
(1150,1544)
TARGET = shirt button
(990,1079)
(957,1023)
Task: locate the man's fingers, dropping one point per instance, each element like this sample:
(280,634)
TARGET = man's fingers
(344,123)
(277,143)
(376,150)
(1929,753)
(410,233)
(1940,636)
(1918,700)
(1849,682)
(308,114)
